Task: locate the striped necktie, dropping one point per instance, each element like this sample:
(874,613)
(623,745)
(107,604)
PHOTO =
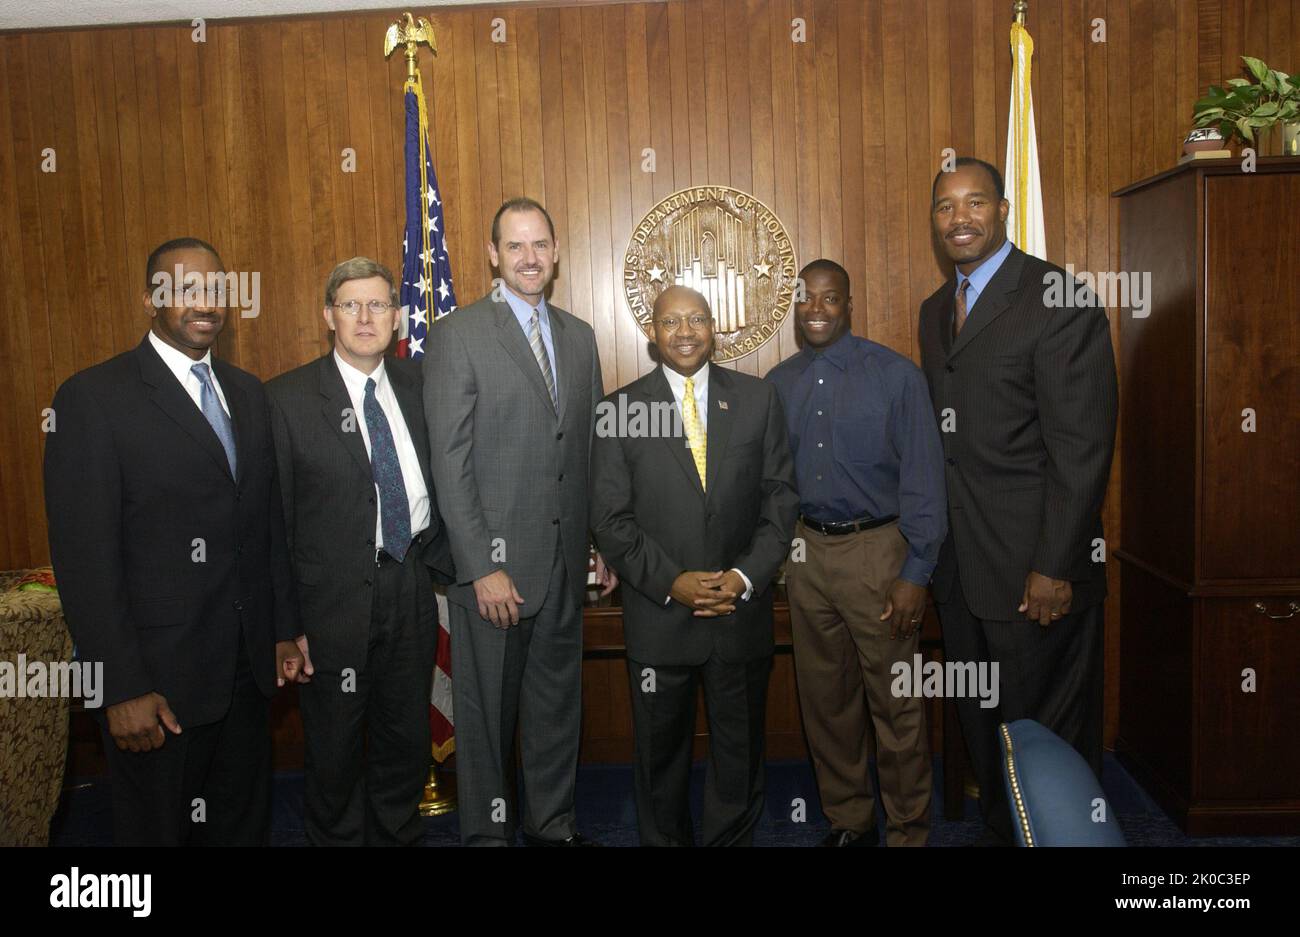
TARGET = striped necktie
(696,438)
(543,359)
(960,312)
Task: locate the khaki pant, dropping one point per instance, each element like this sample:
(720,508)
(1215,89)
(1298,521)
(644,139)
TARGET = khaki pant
(842,655)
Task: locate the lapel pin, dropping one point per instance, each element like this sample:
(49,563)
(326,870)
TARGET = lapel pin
(722,405)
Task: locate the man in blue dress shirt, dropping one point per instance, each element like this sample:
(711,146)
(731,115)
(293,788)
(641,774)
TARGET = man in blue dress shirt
(872,517)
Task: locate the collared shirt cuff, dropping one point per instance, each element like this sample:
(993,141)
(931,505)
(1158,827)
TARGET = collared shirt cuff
(749,586)
(917,571)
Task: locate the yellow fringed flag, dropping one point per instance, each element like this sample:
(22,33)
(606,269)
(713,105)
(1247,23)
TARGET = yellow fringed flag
(1024,186)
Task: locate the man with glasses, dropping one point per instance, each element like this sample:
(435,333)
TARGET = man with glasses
(168,545)
(697,526)
(367,544)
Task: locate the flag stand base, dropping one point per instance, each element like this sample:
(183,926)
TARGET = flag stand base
(439,793)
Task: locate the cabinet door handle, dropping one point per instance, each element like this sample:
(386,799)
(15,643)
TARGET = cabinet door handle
(1263,610)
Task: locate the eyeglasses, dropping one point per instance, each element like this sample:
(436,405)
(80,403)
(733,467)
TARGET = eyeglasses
(353,308)
(673,323)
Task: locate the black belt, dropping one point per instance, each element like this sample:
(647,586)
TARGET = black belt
(383,556)
(836,528)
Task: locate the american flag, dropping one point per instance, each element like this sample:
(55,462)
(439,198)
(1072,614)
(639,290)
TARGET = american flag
(426,285)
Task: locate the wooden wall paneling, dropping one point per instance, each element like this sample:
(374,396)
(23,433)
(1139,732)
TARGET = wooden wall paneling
(576,269)
(1073,133)
(1048,66)
(649,126)
(827,132)
(302,328)
(22,252)
(893,325)
(554,143)
(849,210)
(694,105)
(473,261)
(871,290)
(320,167)
(711,97)
(13,350)
(599,310)
(623,44)
(785,145)
(487,103)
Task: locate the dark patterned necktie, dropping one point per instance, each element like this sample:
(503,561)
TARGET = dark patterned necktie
(394,509)
(959,314)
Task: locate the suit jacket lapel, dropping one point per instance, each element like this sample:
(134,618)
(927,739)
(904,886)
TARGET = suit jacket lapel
(559,367)
(993,300)
(336,402)
(173,400)
(720,421)
(512,338)
(658,391)
(409,399)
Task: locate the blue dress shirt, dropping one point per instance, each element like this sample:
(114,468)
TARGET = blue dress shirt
(980,277)
(865,443)
(524,313)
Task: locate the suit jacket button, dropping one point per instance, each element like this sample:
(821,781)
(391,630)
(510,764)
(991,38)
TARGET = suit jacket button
(370,541)
(559,435)
(239,606)
(951,461)
(561,478)
(367,582)
(555,520)
(949,368)
(372,499)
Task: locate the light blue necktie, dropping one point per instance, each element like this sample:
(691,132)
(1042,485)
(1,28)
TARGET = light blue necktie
(215,413)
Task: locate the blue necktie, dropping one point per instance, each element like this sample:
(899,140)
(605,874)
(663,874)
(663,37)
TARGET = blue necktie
(215,413)
(394,509)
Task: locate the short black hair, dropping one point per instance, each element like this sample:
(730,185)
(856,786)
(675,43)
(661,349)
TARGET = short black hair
(152,266)
(829,266)
(971,161)
(521,203)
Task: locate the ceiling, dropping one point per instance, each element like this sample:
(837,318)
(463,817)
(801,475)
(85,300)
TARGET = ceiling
(45,14)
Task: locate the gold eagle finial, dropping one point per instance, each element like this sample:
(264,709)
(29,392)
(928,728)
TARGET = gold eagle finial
(410,32)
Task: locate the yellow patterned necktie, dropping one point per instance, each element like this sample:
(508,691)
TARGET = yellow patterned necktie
(695,435)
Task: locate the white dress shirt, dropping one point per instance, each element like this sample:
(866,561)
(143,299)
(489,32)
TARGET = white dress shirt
(417,495)
(180,364)
(677,382)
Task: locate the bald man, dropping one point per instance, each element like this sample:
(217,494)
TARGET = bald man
(695,513)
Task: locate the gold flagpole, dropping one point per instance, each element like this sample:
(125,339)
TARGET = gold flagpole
(439,791)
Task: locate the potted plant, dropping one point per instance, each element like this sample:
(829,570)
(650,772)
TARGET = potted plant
(1245,108)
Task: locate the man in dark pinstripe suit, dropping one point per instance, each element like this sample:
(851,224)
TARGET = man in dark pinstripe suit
(1025,395)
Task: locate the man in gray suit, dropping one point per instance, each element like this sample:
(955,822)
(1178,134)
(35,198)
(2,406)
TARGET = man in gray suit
(366,541)
(510,389)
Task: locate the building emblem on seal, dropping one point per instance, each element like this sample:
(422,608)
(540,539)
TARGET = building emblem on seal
(724,243)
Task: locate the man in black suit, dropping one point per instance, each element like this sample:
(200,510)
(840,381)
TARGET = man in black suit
(1025,395)
(168,546)
(367,543)
(697,524)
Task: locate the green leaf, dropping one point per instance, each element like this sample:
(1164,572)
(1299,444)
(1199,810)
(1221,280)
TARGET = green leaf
(1239,82)
(1243,128)
(1257,68)
(1227,130)
(1266,110)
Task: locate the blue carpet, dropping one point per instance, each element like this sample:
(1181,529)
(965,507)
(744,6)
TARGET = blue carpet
(607,814)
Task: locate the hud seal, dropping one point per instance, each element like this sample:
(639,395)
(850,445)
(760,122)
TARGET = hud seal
(727,245)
